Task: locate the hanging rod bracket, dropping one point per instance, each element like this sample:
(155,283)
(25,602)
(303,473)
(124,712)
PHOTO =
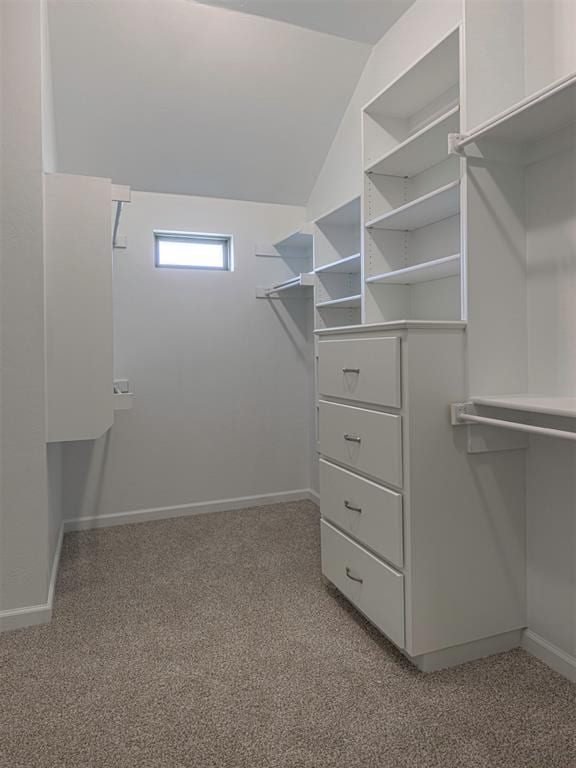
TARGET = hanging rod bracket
(454,147)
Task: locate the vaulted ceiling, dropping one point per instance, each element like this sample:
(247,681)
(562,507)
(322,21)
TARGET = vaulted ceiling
(363,20)
(178,96)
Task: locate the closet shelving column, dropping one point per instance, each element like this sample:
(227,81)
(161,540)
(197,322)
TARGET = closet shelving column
(337,266)
(411,200)
(296,280)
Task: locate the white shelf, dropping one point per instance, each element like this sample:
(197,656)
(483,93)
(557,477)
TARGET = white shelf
(295,284)
(426,80)
(552,406)
(348,266)
(533,118)
(438,269)
(296,245)
(435,206)
(347,302)
(346,215)
(424,149)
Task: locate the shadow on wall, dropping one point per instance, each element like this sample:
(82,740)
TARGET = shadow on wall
(85,464)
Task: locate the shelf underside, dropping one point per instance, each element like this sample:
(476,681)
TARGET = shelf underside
(348,302)
(423,150)
(553,406)
(420,273)
(347,215)
(348,266)
(534,118)
(435,206)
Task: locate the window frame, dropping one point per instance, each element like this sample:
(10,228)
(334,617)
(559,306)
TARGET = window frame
(192,237)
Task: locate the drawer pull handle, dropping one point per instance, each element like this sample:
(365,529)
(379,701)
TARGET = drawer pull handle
(353,578)
(350,370)
(354,509)
(353,438)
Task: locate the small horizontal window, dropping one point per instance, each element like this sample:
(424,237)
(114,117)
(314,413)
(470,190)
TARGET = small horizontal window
(188,251)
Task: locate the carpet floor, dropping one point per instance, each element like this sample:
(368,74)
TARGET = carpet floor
(213,642)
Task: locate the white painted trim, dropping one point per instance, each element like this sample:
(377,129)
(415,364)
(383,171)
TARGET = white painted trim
(185,510)
(30,615)
(314,496)
(460,654)
(550,654)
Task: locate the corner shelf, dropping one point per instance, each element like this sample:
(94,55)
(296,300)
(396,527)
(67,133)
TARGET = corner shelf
(295,285)
(296,245)
(346,302)
(435,206)
(348,266)
(421,151)
(427,271)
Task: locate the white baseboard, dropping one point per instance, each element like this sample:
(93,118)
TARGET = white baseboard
(30,615)
(460,654)
(185,510)
(314,496)
(550,654)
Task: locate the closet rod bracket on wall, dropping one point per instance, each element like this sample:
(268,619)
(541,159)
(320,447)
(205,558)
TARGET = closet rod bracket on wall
(461,415)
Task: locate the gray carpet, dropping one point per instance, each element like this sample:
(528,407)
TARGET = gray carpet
(212,641)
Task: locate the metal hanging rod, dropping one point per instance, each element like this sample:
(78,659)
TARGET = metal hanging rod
(460,416)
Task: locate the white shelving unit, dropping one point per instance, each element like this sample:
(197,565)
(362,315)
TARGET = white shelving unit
(426,148)
(541,404)
(295,252)
(337,265)
(347,302)
(435,206)
(540,115)
(411,200)
(350,265)
(421,273)
(294,287)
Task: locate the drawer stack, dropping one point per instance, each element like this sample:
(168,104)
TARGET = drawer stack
(423,537)
(361,476)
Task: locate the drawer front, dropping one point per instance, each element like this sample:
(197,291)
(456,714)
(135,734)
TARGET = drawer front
(368,512)
(367,370)
(368,441)
(375,589)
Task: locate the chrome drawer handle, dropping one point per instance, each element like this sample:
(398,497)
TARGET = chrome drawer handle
(350,370)
(353,438)
(354,578)
(354,509)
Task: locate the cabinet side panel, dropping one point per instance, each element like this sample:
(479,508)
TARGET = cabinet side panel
(79,330)
(465,521)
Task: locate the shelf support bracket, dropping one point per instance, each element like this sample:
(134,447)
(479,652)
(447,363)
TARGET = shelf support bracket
(454,147)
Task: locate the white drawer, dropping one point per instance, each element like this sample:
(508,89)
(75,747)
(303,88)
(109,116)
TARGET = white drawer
(367,370)
(375,589)
(368,512)
(369,441)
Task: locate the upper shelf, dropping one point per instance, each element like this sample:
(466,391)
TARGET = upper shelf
(435,206)
(348,266)
(422,150)
(296,245)
(287,288)
(553,406)
(346,215)
(432,75)
(533,118)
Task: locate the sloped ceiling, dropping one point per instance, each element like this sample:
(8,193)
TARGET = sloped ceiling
(363,20)
(176,96)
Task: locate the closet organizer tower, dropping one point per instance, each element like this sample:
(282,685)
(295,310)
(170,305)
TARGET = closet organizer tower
(411,535)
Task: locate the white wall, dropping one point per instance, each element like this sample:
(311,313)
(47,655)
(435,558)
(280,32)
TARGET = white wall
(24,528)
(417,30)
(222,380)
